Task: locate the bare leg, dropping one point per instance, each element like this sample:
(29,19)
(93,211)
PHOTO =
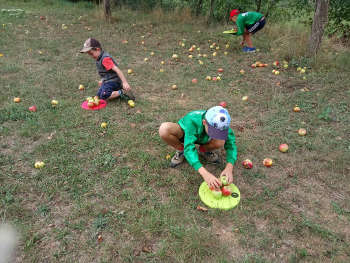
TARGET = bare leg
(247,39)
(115,94)
(171,133)
(213,144)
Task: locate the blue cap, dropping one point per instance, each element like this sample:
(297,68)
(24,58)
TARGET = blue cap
(218,120)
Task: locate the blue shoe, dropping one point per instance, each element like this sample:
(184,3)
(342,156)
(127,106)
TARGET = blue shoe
(249,49)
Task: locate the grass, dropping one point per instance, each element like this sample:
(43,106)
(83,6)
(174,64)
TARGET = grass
(116,182)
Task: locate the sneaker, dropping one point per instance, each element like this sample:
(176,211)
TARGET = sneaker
(177,159)
(127,95)
(249,49)
(210,157)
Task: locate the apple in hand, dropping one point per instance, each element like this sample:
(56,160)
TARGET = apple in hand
(224,180)
(32,108)
(248,164)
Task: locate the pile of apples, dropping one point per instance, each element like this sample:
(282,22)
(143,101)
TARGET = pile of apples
(93,101)
(224,190)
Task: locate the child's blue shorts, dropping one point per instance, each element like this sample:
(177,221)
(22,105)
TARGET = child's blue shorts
(107,88)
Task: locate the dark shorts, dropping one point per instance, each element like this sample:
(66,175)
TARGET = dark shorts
(106,89)
(257,26)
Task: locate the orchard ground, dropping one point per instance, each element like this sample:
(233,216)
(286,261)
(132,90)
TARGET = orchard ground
(108,195)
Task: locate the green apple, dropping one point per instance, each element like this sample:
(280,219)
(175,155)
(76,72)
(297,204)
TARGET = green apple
(224,180)
(216,194)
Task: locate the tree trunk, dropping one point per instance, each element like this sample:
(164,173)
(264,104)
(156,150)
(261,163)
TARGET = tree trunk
(211,12)
(319,23)
(258,5)
(199,7)
(107,9)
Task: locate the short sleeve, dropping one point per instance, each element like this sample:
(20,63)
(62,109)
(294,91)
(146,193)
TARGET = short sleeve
(107,62)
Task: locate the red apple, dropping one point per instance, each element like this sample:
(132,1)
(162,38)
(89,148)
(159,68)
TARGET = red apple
(225,191)
(214,78)
(276,63)
(283,147)
(223,104)
(32,108)
(267,162)
(220,70)
(194,81)
(247,164)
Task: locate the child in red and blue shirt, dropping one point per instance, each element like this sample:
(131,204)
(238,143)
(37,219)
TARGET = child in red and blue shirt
(113,83)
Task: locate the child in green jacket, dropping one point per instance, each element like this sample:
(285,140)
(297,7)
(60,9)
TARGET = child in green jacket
(248,23)
(211,130)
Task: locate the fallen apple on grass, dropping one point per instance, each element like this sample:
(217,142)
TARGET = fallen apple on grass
(283,147)
(131,103)
(296,109)
(302,132)
(17,100)
(104,125)
(130,71)
(194,81)
(242,71)
(81,87)
(267,162)
(32,108)
(248,164)
(223,104)
(220,70)
(39,165)
(245,98)
(54,103)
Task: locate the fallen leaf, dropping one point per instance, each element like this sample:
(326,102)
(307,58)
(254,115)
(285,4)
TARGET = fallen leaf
(147,249)
(200,208)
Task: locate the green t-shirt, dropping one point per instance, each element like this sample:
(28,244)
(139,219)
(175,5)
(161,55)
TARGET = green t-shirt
(194,130)
(246,19)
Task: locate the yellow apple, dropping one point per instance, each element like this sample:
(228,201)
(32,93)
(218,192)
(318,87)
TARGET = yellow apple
(54,103)
(17,99)
(245,98)
(296,109)
(267,162)
(242,71)
(302,132)
(174,87)
(130,71)
(104,125)
(131,103)
(81,87)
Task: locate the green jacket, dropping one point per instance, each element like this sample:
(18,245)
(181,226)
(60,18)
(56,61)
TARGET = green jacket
(246,19)
(194,131)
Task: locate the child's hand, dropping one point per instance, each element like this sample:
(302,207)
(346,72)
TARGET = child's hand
(126,86)
(99,83)
(212,181)
(228,172)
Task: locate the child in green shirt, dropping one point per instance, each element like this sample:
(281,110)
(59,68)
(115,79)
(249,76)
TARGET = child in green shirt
(247,24)
(211,130)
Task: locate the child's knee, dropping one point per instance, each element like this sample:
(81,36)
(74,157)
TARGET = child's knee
(164,129)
